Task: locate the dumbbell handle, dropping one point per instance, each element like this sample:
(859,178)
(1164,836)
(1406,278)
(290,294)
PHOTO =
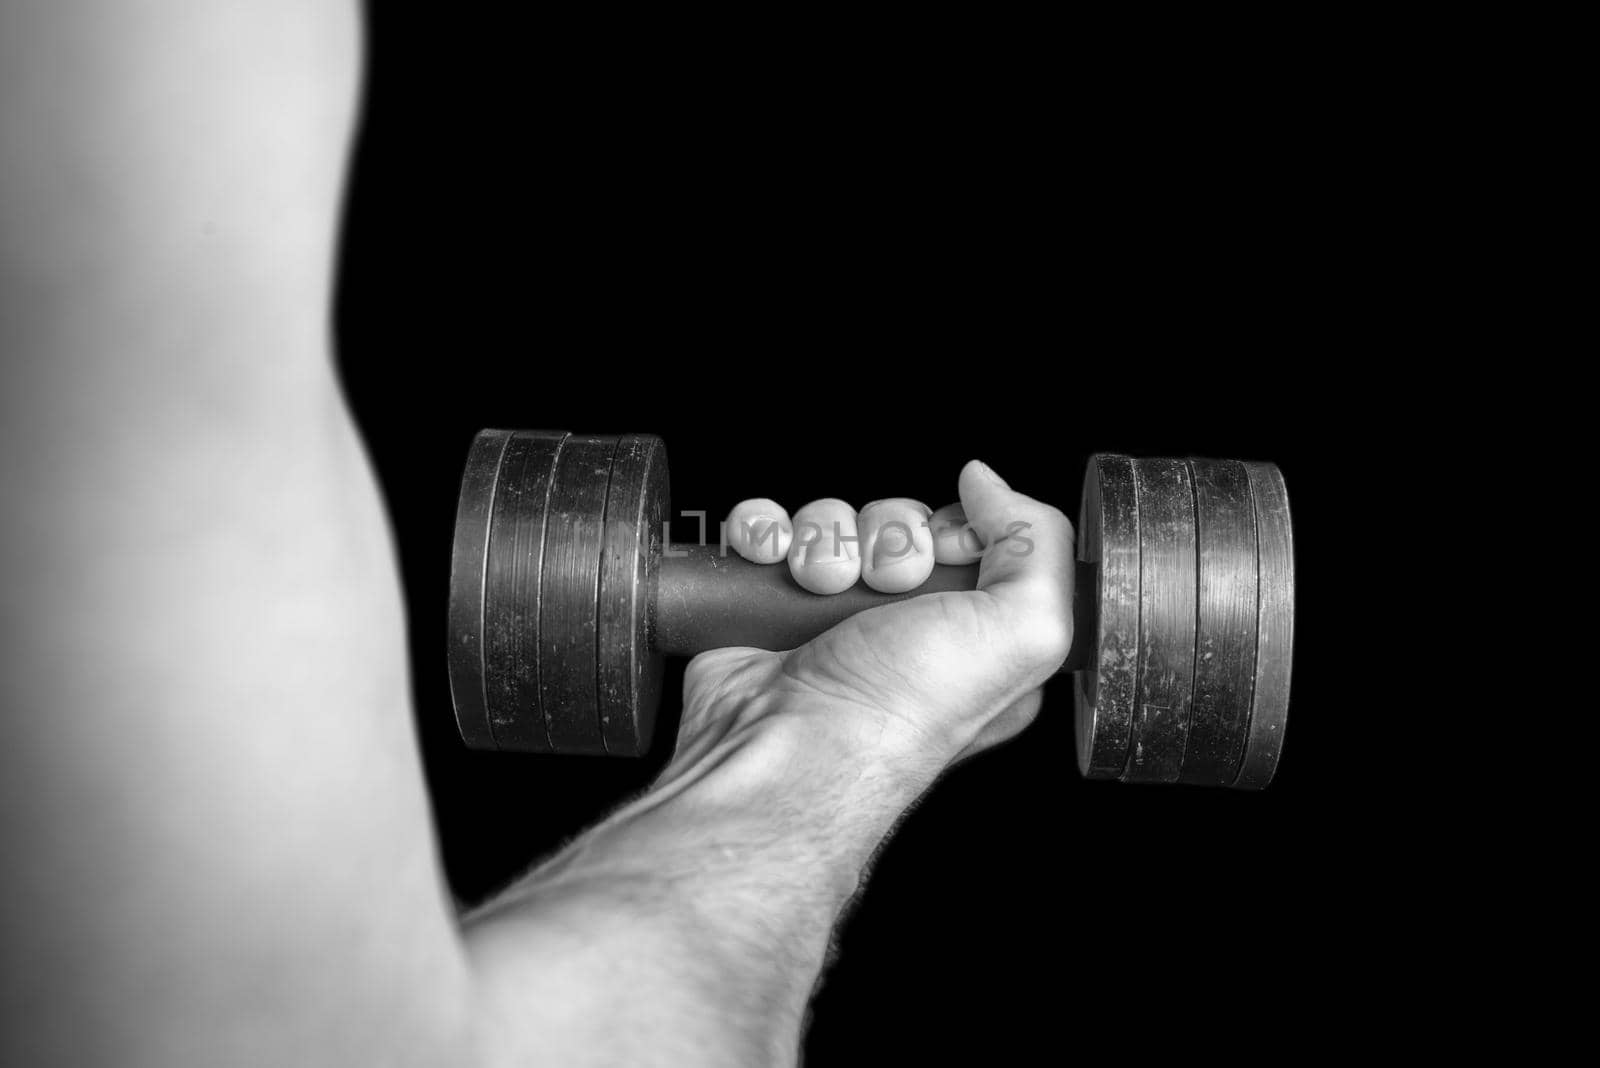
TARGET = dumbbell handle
(708,600)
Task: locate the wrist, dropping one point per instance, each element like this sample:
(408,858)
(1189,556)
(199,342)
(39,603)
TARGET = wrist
(825,767)
(765,790)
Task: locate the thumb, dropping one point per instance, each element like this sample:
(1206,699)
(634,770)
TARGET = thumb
(988,502)
(1029,559)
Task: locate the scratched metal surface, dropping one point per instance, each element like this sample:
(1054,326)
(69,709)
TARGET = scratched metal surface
(1167,599)
(629,666)
(512,581)
(1225,638)
(1108,538)
(569,594)
(468,557)
(1274,624)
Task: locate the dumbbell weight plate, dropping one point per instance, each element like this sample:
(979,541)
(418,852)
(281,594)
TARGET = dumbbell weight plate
(630,667)
(1108,538)
(1225,638)
(1206,514)
(1274,626)
(467,586)
(514,591)
(570,593)
(1167,595)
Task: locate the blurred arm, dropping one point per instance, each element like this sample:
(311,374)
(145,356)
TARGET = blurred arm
(217,844)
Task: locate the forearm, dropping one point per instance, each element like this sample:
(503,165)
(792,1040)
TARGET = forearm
(697,918)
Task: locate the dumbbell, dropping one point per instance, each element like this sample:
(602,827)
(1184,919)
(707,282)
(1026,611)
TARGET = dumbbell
(566,594)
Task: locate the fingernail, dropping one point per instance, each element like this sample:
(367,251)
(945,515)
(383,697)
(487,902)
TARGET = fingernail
(904,546)
(989,473)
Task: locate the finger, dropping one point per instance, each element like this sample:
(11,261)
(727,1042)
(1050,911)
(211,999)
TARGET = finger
(896,544)
(759,530)
(825,555)
(954,540)
(1028,565)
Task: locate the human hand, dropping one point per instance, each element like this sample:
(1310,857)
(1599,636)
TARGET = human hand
(922,682)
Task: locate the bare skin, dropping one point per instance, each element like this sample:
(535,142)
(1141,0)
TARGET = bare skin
(216,830)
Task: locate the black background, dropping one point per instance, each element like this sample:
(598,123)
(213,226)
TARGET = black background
(848,286)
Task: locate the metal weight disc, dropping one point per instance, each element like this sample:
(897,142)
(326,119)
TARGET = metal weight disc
(1274,626)
(1108,539)
(513,578)
(467,559)
(570,594)
(629,666)
(1225,639)
(1166,620)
